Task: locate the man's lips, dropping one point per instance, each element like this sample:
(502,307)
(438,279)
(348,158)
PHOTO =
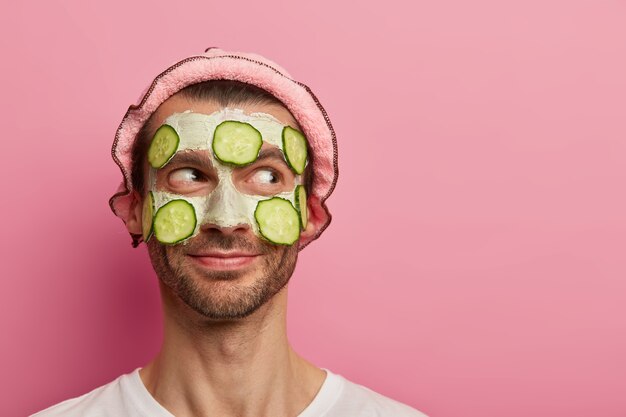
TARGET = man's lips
(224,260)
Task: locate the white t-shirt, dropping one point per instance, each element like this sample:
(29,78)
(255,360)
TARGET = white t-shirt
(127,396)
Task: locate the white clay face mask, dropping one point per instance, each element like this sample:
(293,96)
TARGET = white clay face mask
(232,140)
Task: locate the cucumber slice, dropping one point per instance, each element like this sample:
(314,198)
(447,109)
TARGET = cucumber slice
(278,221)
(236,143)
(147,215)
(301,206)
(163,147)
(174,221)
(294,146)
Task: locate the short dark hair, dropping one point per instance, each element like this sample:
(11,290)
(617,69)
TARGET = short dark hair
(222,92)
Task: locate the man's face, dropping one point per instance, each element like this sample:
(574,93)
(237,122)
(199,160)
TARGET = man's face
(223,272)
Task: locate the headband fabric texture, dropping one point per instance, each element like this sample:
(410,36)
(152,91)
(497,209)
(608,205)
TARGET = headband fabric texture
(250,68)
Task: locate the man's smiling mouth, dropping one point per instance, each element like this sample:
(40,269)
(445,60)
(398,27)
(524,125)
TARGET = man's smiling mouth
(221,260)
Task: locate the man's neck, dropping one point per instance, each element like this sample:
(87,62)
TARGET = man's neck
(238,368)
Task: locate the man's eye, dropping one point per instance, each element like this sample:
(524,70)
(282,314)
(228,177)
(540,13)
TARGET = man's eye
(266,176)
(184,176)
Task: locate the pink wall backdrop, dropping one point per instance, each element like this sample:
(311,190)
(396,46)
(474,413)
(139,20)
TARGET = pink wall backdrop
(476,263)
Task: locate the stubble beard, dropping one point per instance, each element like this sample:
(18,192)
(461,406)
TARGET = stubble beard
(217,295)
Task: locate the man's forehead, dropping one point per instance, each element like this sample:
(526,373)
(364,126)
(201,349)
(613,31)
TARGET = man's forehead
(180,104)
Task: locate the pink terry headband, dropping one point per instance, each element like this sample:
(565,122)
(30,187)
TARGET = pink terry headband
(216,64)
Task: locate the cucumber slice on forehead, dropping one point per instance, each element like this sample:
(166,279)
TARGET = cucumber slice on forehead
(174,221)
(236,143)
(301,206)
(278,221)
(147,215)
(294,147)
(163,146)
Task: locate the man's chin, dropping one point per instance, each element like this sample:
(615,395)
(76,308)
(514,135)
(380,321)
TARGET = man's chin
(224,295)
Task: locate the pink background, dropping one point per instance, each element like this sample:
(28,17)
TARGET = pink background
(488,279)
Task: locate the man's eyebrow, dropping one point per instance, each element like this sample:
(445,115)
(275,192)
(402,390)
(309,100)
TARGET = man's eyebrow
(192,158)
(270,153)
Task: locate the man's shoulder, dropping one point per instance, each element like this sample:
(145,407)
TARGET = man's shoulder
(357,399)
(104,401)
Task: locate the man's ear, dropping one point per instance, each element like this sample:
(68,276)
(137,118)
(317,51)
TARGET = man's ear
(318,217)
(133,223)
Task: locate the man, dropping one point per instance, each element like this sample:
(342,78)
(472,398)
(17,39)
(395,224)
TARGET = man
(227,163)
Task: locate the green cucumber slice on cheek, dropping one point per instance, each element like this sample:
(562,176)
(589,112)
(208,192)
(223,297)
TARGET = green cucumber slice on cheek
(174,221)
(278,221)
(236,143)
(163,146)
(147,215)
(301,206)
(294,146)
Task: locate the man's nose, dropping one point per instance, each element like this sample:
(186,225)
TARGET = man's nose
(228,230)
